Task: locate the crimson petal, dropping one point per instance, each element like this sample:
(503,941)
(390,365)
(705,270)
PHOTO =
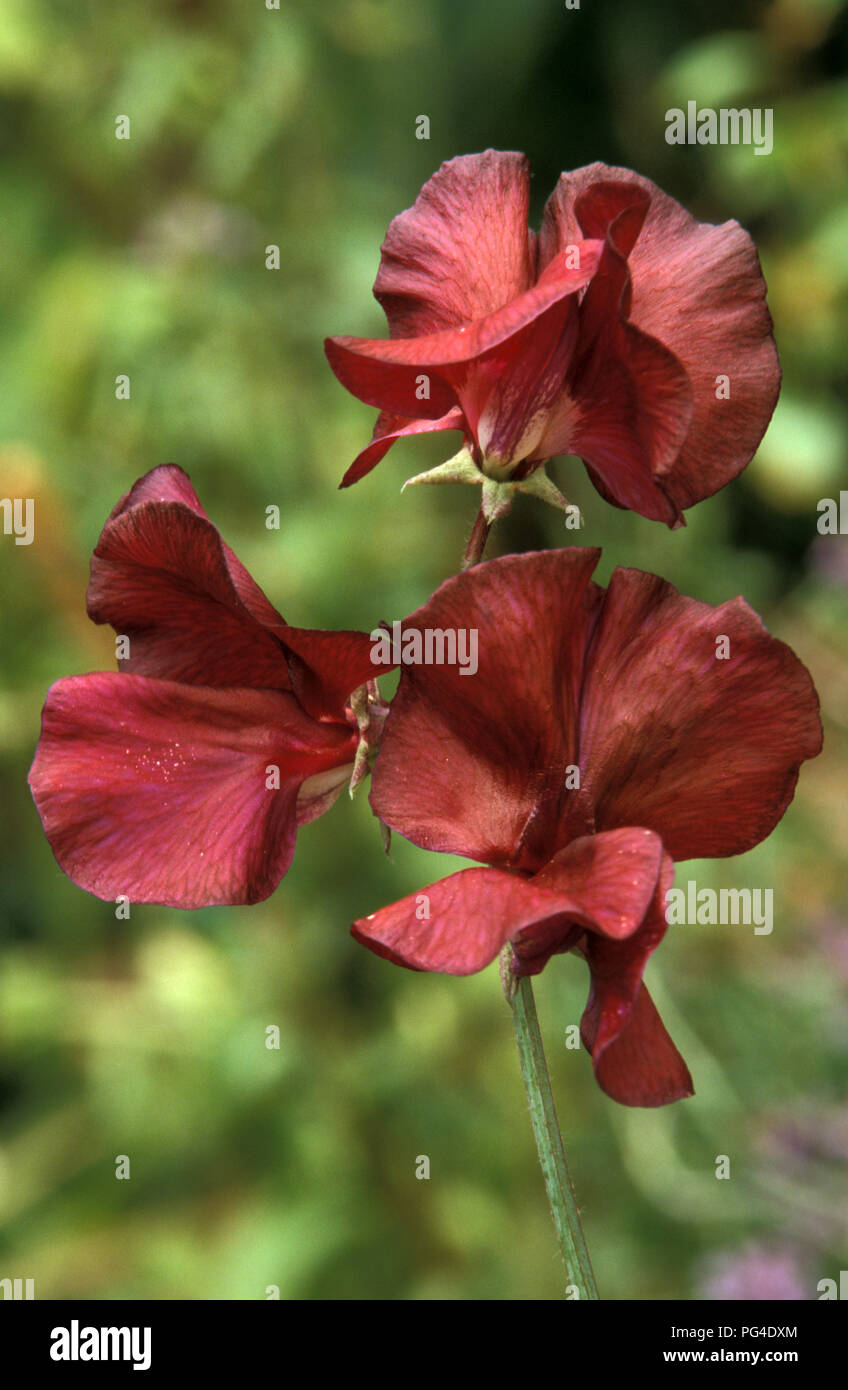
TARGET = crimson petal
(610,879)
(162,576)
(463,249)
(642,1066)
(457,362)
(476,764)
(699,291)
(169,483)
(159,791)
(704,749)
(628,404)
(458,925)
(326,667)
(635,1061)
(390,428)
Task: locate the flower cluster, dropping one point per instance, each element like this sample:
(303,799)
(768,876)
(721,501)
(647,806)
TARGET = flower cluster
(599,736)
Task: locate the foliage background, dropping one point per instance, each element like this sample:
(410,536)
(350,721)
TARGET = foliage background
(296,1167)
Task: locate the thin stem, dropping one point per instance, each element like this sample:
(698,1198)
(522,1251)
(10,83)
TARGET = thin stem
(519,995)
(477,541)
(566,1218)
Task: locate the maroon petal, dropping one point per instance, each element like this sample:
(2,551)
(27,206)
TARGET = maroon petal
(459,366)
(704,749)
(326,667)
(462,250)
(159,791)
(477,764)
(635,1061)
(642,1066)
(168,483)
(390,428)
(628,403)
(162,576)
(698,290)
(610,880)
(508,395)
(458,925)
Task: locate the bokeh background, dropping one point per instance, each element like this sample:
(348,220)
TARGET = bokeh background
(296,1167)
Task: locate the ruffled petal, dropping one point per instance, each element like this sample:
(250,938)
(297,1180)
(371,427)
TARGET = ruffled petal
(463,249)
(694,720)
(326,667)
(169,483)
(477,764)
(458,925)
(390,428)
(610,880)
(642,1066)
(162,576)
(698,290)
(426,377)
(160,791)
(628,403)
(635,1061)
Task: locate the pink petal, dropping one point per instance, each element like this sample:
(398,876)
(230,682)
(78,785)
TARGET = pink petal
(476,764)
(462,250)
(703,750)
(159,791)
(390,428)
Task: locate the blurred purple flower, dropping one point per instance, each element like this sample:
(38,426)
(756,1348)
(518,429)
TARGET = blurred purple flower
(755,1271)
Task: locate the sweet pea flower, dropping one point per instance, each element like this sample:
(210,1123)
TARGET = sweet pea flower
(605,735)
(182,778)
(627,333)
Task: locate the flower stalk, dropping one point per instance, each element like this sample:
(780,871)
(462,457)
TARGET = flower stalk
(477,541)
(563,1203)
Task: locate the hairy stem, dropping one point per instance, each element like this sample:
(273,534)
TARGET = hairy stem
(477,541)
(566,1218)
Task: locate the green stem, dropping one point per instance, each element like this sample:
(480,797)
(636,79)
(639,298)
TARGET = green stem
(566,1218)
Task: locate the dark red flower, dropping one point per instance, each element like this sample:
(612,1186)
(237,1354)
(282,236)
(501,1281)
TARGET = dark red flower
(627,333)
(183,778)
(605,734)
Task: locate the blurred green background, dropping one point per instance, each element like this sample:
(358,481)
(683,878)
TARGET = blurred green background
(296,1167)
